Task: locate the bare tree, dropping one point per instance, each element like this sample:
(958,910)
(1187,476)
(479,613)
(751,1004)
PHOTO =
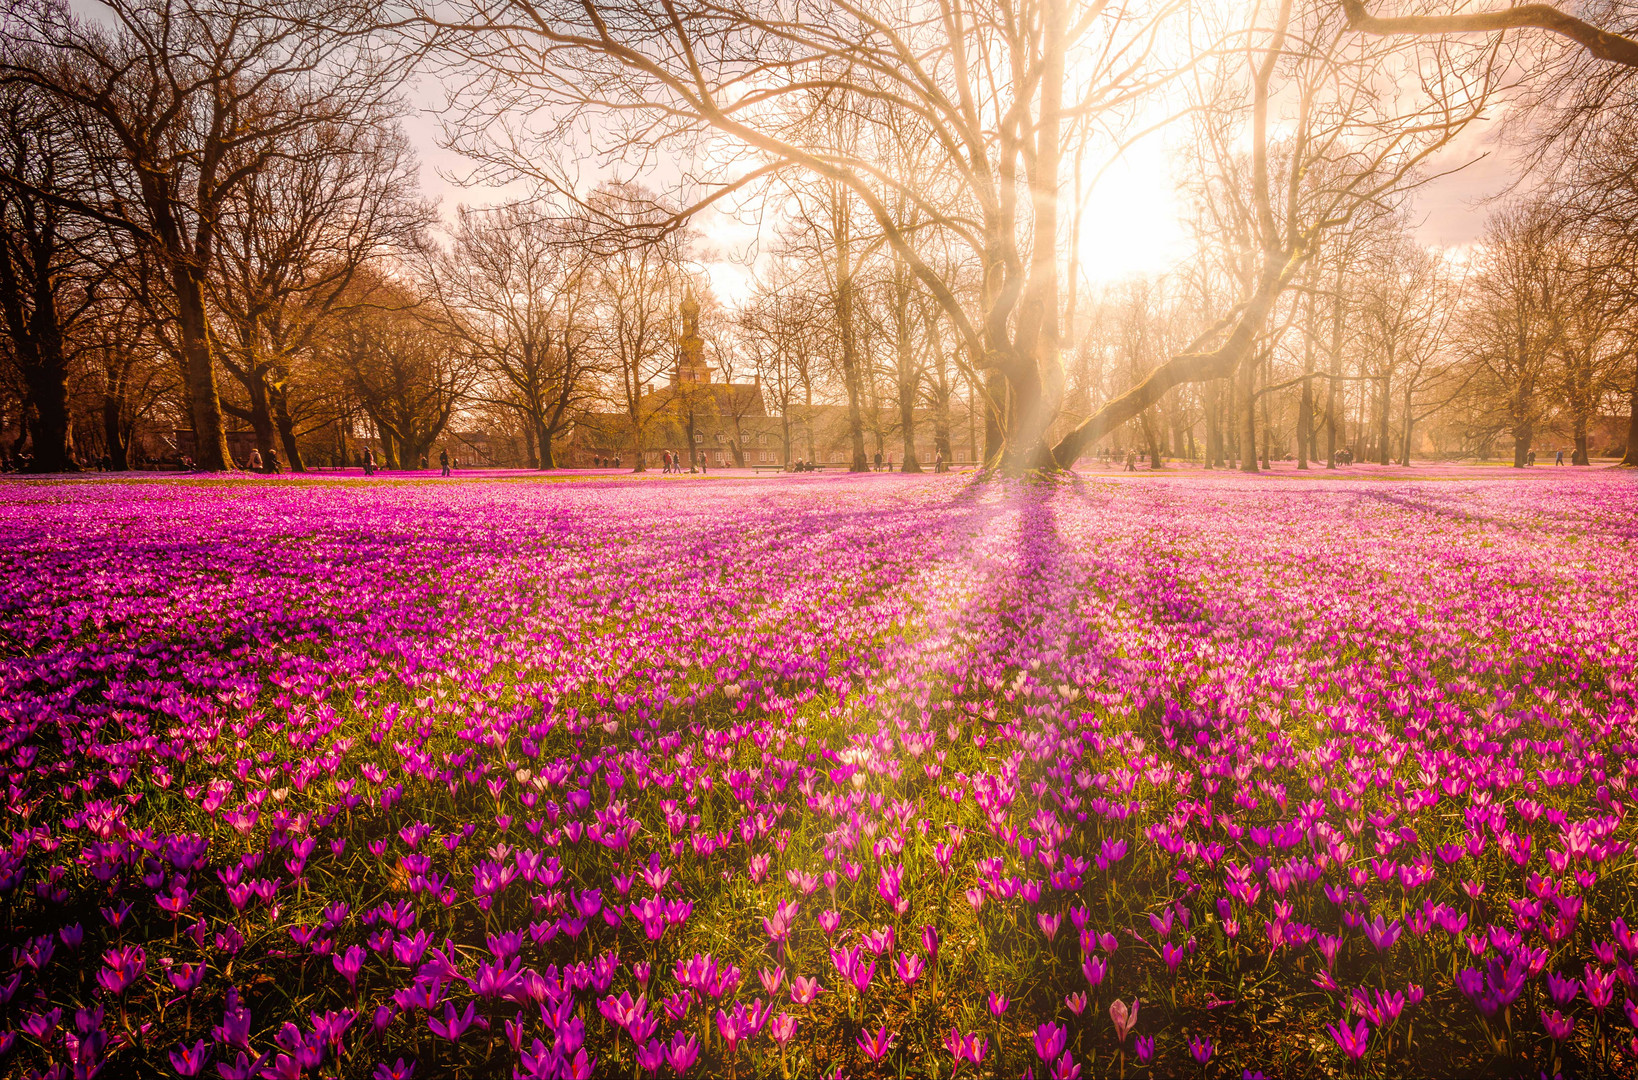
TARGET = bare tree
(51,263)
(520,286)
(328,201)
(991,96)
(187,99)
(781,328)
(1598,198)
(1511,326)
(407,367)
(1346,149)
(642,288)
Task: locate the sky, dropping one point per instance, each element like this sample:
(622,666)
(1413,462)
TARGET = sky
(1133,224)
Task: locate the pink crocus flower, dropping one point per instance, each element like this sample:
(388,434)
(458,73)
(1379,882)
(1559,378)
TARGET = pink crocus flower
(1049,1041)
(876,1044)
(1124,1017)
(1353,1041)
(682,1053)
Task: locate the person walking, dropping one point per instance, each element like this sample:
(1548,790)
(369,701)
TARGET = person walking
(273,466)
(369,461)
(255,463)
(878,462)
(443,461)
(1559,459)
(1131,461)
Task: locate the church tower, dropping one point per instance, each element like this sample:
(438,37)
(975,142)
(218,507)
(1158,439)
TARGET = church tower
(691,367)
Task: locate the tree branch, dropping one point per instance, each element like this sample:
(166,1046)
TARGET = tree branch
(1601,43)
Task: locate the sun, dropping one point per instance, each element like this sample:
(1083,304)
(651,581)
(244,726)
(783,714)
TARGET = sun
(1132,218)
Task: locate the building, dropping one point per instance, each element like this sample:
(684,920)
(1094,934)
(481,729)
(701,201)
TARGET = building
(720,424)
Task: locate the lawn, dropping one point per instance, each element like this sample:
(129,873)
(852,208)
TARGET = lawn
(1153,775)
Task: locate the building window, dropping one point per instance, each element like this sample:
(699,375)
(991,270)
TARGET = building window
(699,436)
(721,438)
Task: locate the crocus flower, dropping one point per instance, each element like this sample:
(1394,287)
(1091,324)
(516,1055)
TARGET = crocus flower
(683,1051)
(1049,1041)
(1353,1041)
(1383,934)
(190,1060)
(876,1044)
(1124,1017)
(804,990)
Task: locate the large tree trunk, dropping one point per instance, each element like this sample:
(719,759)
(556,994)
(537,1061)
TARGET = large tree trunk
(210,444)
(1410,428)
(1030,413)
(260,414)
(942,392)
(995,401)
(1305,422)
(807,420)
(1629,458)
(1331,421)
(548,456)
(530,457)
(286,425)
(390,447)
(1035,369)
(1214,438)
(113,431)
(637,463)
(1268,424)
(1248,415)
(1149,436)
(47,382)
(1580,457)
(841,228)
(1521,444)
(1385,450)
(907,426)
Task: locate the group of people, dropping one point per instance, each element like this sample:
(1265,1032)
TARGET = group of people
(446,464)
(268,465)
(671,461)
(1130,457)
(22,461)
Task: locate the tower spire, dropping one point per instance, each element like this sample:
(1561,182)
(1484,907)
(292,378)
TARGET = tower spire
(690,346)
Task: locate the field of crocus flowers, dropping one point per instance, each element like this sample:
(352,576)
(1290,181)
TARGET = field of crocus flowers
(814,776)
